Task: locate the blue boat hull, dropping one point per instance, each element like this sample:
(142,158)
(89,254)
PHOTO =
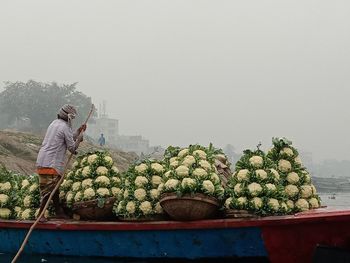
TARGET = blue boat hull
(187,244)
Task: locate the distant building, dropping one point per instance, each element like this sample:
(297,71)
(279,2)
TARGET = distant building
(135,144)
(109,127)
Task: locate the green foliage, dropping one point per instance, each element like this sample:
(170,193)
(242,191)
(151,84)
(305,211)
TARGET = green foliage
(40,102)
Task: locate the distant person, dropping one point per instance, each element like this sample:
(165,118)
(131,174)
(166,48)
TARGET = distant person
(102,140)
(50,162)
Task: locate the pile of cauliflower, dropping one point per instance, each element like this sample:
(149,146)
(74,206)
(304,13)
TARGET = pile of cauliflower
(93,176)
(192,170)
(296,180)
(256,186)
(8,189)
(142,186)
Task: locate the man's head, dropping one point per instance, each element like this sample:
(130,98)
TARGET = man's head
(101,134)
(67,113)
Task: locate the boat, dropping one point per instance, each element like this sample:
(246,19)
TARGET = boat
(291,238)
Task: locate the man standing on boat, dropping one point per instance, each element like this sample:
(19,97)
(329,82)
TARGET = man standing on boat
(51,158)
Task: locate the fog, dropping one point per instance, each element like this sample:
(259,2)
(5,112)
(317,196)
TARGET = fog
(181,72)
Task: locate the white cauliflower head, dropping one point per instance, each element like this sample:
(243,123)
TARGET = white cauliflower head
(254,189)
(256,161)
(200,172)
(293,178)
(182,171)
(284,166)
(140,194)
(146,207)
(208,186)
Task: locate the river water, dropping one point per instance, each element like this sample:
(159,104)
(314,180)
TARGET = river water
(338,200)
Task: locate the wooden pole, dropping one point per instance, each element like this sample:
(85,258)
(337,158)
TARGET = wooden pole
(52,193)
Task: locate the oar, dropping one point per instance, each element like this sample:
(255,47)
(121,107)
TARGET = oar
(52,193)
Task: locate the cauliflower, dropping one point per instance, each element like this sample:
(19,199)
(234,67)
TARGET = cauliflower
(208,186)
(205,165)
(140,181)
(27,214)
(313,189)
(284,166)
(201,154)
(271,187)
(70,175)
(5,213)
(167,174)
(78,196)
(275,174)
(188,182)
(130,207)
(27,201)
(33,188)
(156,180)
(242,175)
(273,204)
(188,161)
(25,183)
(307,178)
(76,186)
(146,207)
(242,200)
(102,180)
(314,203)
(297,160)
(160,187)
(215,178)
(126,193)
(75,165)
(171,184)
(174,164)
(183,153)
(86,171)
(116,191)
(154,193)
(302,204)
(158,208)
(108,160)
(141,168)
(238,189)
(182,171)
(120,207)
(101,170)
(293,178)
(306,191)
(158,168)
(115,169)
(87,183)
(290,204)
(228,202)
(291,190)
(199,172)
(284,206)
(6,186)
(116,180)
(254,189)
(89,193)
(83,161)
(92,158)
(256,161)
(140,194)
(288,151)
(69,197)
(257,202)
(173,159)
(3,199)
(261,174)
(127,183)
(103,192)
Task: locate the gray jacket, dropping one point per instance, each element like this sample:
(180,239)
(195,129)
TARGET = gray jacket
(58,138)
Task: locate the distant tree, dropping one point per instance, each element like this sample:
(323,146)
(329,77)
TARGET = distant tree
(40,102)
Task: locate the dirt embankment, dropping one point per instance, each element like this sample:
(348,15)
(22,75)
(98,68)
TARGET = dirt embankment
(18,152)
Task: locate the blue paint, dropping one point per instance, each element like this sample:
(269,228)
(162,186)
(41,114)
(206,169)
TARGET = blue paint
(189,244)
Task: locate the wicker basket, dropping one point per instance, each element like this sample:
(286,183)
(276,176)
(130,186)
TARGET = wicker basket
(89,210)
(232,213)
(189,207)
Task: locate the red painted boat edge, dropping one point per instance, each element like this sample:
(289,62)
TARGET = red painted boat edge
(315,216)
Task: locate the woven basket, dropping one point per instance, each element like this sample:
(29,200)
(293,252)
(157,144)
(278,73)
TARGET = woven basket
(189,207)
(89,210)
(232,213)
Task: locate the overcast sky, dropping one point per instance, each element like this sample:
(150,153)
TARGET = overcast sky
(181,72)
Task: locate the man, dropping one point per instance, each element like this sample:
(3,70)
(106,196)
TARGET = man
(102,140)
(51,158)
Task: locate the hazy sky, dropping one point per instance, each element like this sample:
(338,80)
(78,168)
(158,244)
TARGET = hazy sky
(181,72)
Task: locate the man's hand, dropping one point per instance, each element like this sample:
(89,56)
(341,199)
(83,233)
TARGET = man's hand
(82,128)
